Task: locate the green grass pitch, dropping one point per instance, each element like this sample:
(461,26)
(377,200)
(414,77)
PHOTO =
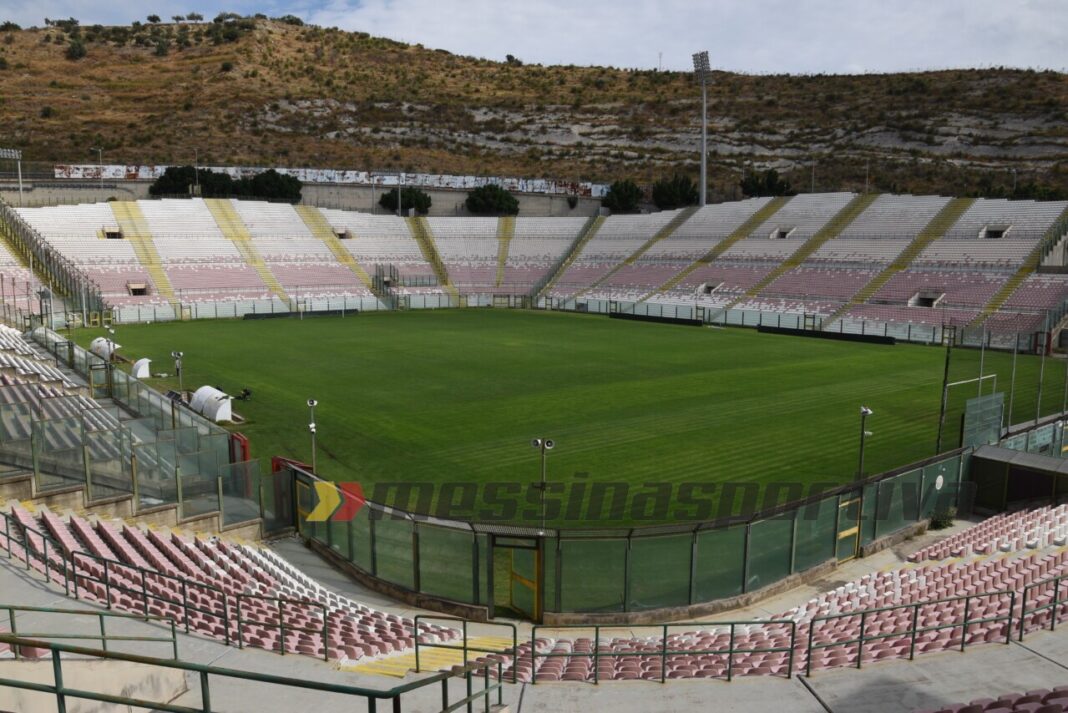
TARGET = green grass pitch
(456,395)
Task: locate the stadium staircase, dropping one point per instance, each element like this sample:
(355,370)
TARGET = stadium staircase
(681,217)
(831,230)
(505,233)
(135,230)
(1056,232)
(585,235)
(935,229)
(321,228)
(235,230)
(420,230)
(741,232)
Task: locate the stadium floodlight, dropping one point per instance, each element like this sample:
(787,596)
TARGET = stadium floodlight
(16,156)
(701,71)
(312,403)
(177,356)
(864,413)
(99,163)
(543,445)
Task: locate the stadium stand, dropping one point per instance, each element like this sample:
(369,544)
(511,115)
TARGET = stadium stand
(1039,700)
(925,260)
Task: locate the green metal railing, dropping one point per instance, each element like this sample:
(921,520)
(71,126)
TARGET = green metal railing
(596,655)
(280,604)
(206,674)
(103,617)
(914,629)
(1055,603)
(464,646)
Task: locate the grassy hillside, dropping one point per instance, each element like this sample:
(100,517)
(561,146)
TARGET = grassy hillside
(266,92)
(456,396)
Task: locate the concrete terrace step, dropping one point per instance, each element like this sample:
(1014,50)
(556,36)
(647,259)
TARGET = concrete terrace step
(752,223)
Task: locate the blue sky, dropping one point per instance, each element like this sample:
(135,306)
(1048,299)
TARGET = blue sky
(760,36)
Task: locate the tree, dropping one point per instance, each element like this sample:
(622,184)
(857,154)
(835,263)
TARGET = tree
(153,19)
(75,50)
(194,17)
(491,200)
(269,184)
(675,192)
(767,183)
(623,197)
(413,198)
(177,18)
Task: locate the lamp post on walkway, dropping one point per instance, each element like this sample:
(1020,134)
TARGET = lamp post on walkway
(544,445)
(864,413)
(312,403)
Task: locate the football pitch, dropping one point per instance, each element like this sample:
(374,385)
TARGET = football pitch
(457,396)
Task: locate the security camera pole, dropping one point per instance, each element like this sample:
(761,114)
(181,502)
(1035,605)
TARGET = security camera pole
(312,403)
(864,413)
(543,445)
(177,356)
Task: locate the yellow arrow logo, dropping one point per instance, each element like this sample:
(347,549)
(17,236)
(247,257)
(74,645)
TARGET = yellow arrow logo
(329,499)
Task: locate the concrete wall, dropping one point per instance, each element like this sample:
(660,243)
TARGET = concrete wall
(345,197)
(159,685)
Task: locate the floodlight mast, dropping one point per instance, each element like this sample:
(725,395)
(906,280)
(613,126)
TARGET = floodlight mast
(701,70)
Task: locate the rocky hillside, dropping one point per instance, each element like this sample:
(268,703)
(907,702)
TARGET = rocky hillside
(265,92)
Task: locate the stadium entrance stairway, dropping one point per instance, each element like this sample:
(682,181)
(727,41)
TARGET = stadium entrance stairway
(585,235)
(505,233)
(135,229)
(829,231)
(1055,233)
(740,233)
(235,230)
(420,230)
(935,229)
(673,225)
(321,228)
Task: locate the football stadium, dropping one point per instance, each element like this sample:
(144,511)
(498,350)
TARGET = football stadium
(789,450)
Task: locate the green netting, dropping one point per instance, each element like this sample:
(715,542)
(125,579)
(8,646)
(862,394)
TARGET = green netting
(817,535)
(769,547)
(361,540)
(446,563)
(660,571)
(485,563)
(393,551)
(591,575)
(720,563)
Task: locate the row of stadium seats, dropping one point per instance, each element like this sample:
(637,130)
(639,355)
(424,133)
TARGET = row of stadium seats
(1039,700)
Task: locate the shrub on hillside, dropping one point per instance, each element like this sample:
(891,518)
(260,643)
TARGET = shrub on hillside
(412,198)
(675,192)
(623,197)
(491,200)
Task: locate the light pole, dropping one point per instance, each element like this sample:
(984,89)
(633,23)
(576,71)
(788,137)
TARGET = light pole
(544,445)
(312,403)
(99,163)
(111,343)
(701,70)
(864,413)
(196,171)
(16,156)
(177,356)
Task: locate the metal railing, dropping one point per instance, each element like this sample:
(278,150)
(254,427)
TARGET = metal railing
(465,647)
(205,675)
(1055,603)
(280,603)
(596,654)
(914,629)
(103,637)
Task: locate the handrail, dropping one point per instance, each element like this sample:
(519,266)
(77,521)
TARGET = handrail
(664,652)
(103,637)
(914,630)
(1054,604)
(464,647)
(205,672)
(281,625)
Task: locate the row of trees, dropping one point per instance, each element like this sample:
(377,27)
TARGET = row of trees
(268,185)
(485,200)
(679,191)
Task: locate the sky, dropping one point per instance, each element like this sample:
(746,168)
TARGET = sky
(754,36)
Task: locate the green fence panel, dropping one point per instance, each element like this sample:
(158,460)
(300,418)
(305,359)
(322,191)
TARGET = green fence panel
(361,540)
(446,563)
(393,551)
(817,533)
(939,486)
(339,537)
(660,571)
(898,502)
(240,490)
(770,542)
(524,565)
(549,583)
(869,507)
(484,565)
(720,563)
(592,575)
